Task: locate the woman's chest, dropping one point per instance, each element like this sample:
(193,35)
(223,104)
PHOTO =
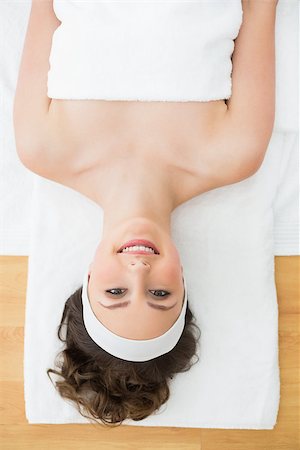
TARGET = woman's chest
(88,135)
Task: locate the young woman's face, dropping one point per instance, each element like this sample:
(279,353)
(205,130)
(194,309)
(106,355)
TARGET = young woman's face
(135,283)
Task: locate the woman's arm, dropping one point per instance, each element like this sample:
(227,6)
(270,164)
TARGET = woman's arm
(242,137)
(251,107)
(31,102)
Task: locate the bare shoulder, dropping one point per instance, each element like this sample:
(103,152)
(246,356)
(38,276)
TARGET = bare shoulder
(50,153)
(233,154)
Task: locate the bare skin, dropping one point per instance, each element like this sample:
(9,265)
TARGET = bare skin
(141,160)
(101,137)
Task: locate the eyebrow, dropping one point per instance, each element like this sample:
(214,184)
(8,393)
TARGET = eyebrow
(124,304)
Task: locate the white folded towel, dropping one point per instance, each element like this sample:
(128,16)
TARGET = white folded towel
(225,240)
(143,50)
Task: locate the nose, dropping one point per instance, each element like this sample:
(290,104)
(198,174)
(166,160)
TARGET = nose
(139,264)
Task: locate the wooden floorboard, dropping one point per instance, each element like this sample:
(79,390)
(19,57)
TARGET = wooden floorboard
(17,434)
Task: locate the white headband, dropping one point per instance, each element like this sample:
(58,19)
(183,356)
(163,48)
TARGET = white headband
(130,349)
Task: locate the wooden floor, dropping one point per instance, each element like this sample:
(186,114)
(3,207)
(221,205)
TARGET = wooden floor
(17,434)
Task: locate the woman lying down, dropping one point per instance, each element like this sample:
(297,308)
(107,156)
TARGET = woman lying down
(129,328)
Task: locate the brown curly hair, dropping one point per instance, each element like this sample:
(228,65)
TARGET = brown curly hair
(109,388)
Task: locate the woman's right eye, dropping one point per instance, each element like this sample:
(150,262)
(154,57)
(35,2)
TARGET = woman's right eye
(115,293)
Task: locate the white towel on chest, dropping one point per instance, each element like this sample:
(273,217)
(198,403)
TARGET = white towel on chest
(143,50)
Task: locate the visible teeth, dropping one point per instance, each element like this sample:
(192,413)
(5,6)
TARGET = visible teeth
(138,248)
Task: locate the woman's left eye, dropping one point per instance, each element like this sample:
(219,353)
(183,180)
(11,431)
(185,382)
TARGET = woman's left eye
(114,293)
(161,295)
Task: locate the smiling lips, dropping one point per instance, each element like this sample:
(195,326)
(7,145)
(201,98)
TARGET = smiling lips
(138,243)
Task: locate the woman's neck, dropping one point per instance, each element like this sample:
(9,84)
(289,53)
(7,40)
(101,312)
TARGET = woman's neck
(136,193)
